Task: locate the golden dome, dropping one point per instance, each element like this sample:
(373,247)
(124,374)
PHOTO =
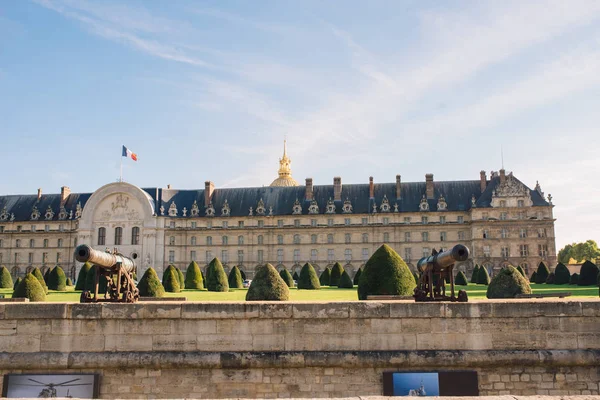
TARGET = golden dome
(285,172)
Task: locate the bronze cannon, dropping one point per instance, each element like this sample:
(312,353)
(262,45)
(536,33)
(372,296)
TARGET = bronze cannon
(118,271)
(435,270)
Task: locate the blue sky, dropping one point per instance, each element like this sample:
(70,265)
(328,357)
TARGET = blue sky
(208,90)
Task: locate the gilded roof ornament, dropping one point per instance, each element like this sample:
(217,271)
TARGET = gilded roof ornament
(285,172)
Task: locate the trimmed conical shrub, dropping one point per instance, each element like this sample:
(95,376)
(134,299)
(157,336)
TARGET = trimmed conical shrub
(90,279)
(542,273)
(296,276)
(507,284)
(574,279)
(460,279)
(81,278)
(17,282)
(193,277)
(30,288)
(216,280)
(6,281)
(287,277)
(47,275)
(533,277)
(149,285)
(181,278)
(308,278)
(267,285)
(38,274)
(235,278)
(416,276)
(345,282)
(336,273)
(357,276)
(57,279)
(170,280)
(588,275)
(243,275)
(69,282)
(562,276)
(475,274)
(483,278)
(550,279)
(386,273)
(325,277)
(521,271)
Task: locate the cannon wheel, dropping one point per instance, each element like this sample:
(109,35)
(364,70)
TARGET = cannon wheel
(462,296)
(86,297)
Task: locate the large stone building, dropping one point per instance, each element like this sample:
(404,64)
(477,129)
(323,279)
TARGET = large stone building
(500,219)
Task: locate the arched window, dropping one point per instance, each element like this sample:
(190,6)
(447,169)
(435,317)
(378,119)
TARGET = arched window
(240,240)
(135,235)
(172,240)
(118,236)
(296,239)
(209,241)
(260,239)
(31,243)
(365,238)
(193,240)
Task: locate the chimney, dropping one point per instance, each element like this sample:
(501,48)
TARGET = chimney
(337,188)
(39,194)
(209,188)
(308,194)
(169,186)
(502,175)
(371,188)
(482,181)
(64,195)
(429,185)
(398,181)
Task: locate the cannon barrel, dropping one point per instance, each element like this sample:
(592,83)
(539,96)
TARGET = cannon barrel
(445,258)
(84,253)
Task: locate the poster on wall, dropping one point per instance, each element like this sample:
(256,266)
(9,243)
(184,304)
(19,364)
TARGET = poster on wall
(430,383)
(84,386)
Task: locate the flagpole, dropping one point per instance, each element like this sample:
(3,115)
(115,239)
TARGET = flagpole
(121,170)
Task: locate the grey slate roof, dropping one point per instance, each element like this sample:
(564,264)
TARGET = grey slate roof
(457,195)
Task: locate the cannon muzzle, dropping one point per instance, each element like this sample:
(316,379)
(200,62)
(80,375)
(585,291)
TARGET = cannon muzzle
(445,258)
(84,253)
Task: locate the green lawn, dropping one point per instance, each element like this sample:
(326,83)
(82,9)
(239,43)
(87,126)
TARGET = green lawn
(325,294)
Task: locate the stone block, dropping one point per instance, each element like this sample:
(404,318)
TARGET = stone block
(268,342)
(580,324)
(128,343)
(468,310)
(561,340)
(70,343)
(8,327)
(410,309)
(275,310)
(141,310)
(100,326)
(588,340)
(245,326)
(143,327)
(399,342)
(322,342)
(590,308)
(215,310)
(454,341)
(196,326)
(238,376)
(449,325)
(416,325)
(224,342)
(66,327)
(174,342)
(20,343)
(34,326)
(489,325)
(361,326)
(320,310)
(544,323)
(84,311)
(518,340)
(35,311)
(385,325)
(369,309)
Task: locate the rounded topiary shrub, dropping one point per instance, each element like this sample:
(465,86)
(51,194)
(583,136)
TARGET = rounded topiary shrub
(81,278)
(19,279)
(47,276)
(325,277)
(550,279)
(483,278)
(345,281)
(336,273)
(38,274)
(235,278)
(287,277)
(308,278)
(30,288)
(460,279)
(521,271)
(533,277)
(69,282)
(90,280)
(181,278)
(193,277)
(588,275)
(149,285)
(562,276)
(57,279)
(385,273)
(507,284)
(267,285)
(574,279)
(357,276)
(170,280)
(216,279)
(6,281)
(296,276)
(542,273)
(475,274)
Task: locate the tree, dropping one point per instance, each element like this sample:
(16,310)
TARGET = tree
(47,275)
(287,277)
(582,251)
(345,282)
(30,288)
(574,279)
(6,281)
(296,276)
(550,278)
(474,274)
(336,272)
(325,277)
(562,276)
(80,284)
(170,280)
(461,279)
(193,277)
(542,273)
(17,282)
(357,276)
(308,278)
(507,284)
(243,274)
(483,278)
(267,285)
(235,278)
(38,274)
(149,285)
(522,271)
(533,277)
(181,278)
(385,273)
(57,279)
(216,280)
(588,275)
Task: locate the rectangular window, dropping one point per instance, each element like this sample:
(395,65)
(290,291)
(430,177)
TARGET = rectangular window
(348,255)
(330,238)
(386,220)
(407,220)
(279,239)
(17,258)
(485,234)
(240,224)
(426,252)
(364,221)
(44,258)
(280,255)
(1,229)
(193,240)
(313,223)
(442,219)
(32,228)
(261,223)
(365,238)
(424,220)
(407,236)
(0,242)
(30,258)
(543,250)
(461,235)
(280,223)
(503,216)
(172,241)
(502,203)
(313,255)
(505,252)
(61,227)
(240,256)
(135,235)
(18,243)
(460,219)
(260,257)
(225,224)
(313,239)
(260,239)
(60,243)
(330,222)
(408,254)
(171,256)
(386,237)
(365,254)
(442,236)
(296,223)
(225,256)
(209,256)
(521,215)
(240,240)
(346,221)
(503,233)
(520,203)
(348,238)
(193,255)
(330,255)
(19,228)
(523,233)
(209,240)
(296,255)
(425,236)
(485,216)
(524,250)
(172,224)
(542,232)
(225,240)
(296,239)
(486,251)
(194,225)
(47,228)
(209,225)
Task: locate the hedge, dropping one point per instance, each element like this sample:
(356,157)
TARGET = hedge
(38,274)
(325,277)
(483,278)
(170,280)
(296,276)
(588,275)
(81,278)
(385,273)
(507,284)
(550,279)
(19,279)
(6,281)
(308,278)
(522,271)
(235,278)
(90,279)
(542,273)
(357,276)
(533,277)
(149,285)
(562,276)
(216,280)
(47,275)
(474,274)
(574,279)
(345,281)
(69,282)
(181,278)
(287,277)
(57,279)
(193,277)
(267,285)
(460,279)
(30,288)
(336,273)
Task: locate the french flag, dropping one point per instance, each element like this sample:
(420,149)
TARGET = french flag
(129,153)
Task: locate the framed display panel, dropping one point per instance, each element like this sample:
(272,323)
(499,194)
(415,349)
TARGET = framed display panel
(430,383)
(83,386)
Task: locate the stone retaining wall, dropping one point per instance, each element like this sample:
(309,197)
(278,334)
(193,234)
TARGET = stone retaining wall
(306,349)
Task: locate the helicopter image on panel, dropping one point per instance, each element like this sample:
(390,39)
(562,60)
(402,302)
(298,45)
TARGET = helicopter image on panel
(49,389)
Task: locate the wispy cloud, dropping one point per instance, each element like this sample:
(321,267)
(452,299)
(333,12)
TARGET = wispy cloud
(270,27)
